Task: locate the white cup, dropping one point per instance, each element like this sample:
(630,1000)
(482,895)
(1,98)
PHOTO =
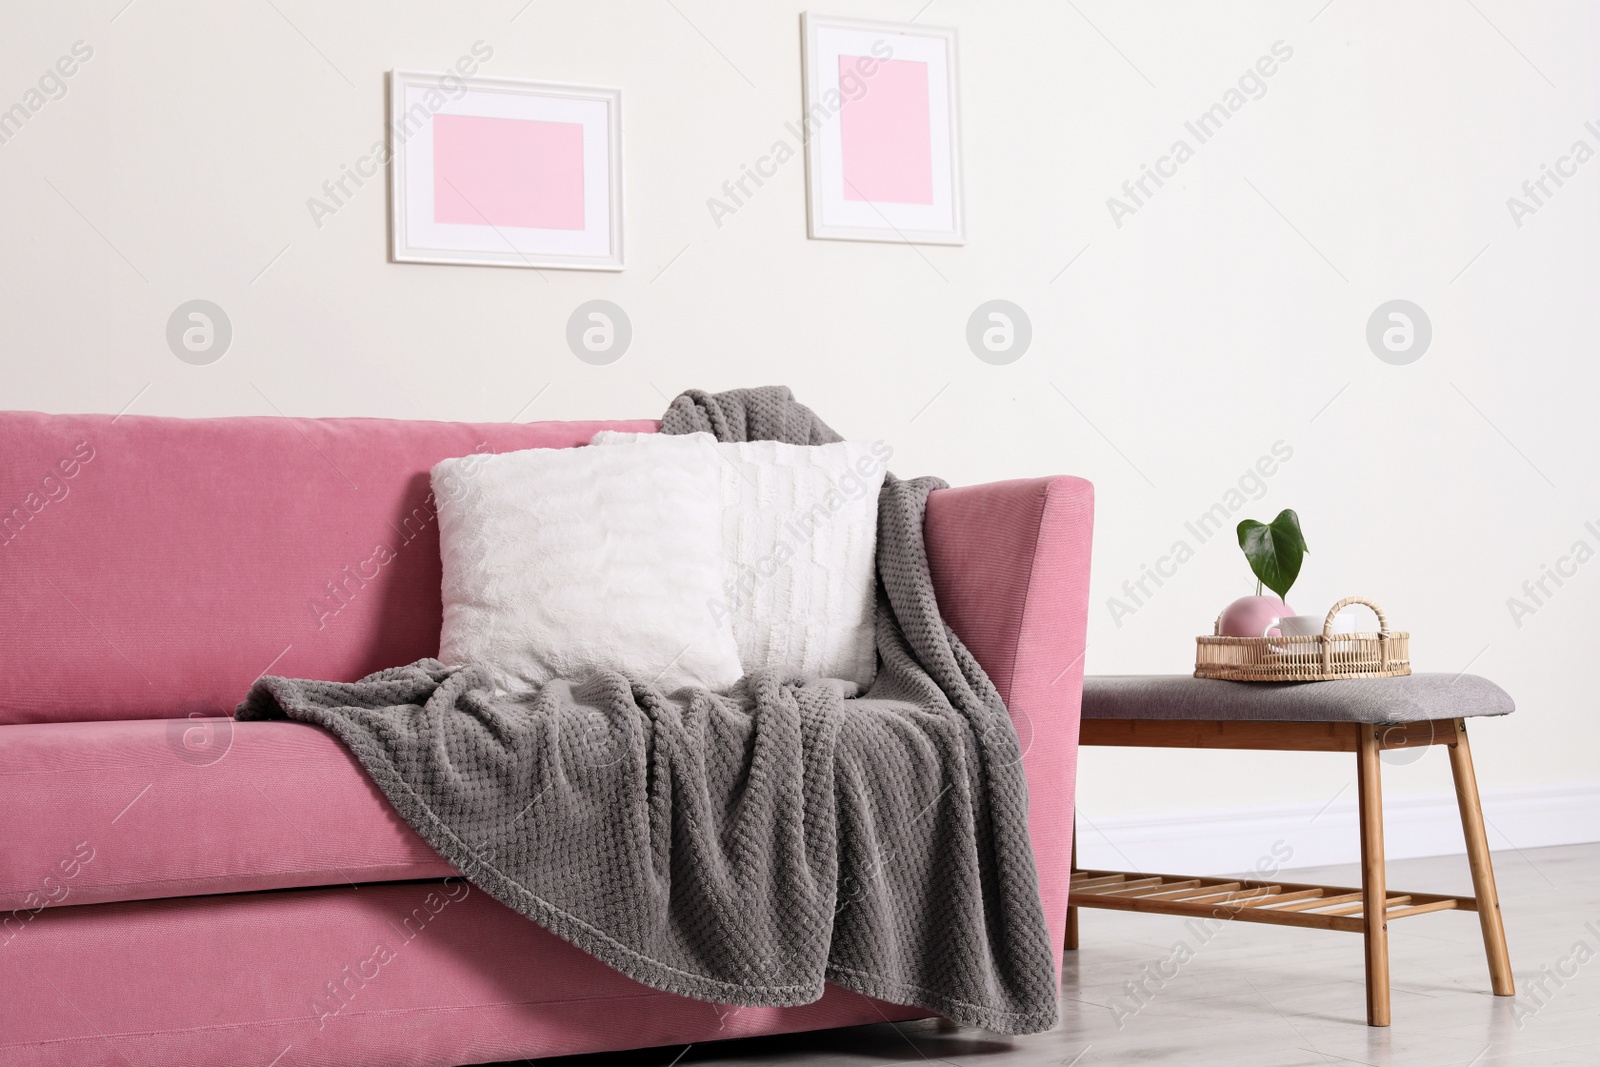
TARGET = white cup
(1309,626)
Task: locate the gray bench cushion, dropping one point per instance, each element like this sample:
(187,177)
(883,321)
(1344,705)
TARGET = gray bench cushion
(1378,700)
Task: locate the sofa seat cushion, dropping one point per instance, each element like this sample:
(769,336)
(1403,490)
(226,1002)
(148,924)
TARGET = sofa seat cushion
(108,811)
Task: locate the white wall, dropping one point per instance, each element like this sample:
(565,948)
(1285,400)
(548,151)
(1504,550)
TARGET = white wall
(1227,314)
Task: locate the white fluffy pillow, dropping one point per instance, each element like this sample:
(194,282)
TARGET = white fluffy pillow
(558,561)
(799,536)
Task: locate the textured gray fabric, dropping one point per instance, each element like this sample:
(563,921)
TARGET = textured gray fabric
(1410,698)
(768,413)
(741,848)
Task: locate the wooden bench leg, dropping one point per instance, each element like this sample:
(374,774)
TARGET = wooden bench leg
(1374,912)
(1494,931)
(1072,913)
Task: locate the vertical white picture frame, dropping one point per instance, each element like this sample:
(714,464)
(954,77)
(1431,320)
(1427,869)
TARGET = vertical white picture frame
(883,132)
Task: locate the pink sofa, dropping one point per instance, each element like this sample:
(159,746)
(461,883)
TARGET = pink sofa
(177,888)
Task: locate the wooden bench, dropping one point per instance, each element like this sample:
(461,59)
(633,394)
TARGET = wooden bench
(1363,716)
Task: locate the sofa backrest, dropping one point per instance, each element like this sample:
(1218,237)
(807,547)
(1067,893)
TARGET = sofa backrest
(154,567)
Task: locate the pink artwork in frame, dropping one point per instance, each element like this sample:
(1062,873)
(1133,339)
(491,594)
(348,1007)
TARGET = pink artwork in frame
(508,172)
(887,142)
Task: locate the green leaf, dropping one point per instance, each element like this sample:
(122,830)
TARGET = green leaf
(1274,550)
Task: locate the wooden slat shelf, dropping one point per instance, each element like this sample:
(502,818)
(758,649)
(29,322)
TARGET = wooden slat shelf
(1319,907)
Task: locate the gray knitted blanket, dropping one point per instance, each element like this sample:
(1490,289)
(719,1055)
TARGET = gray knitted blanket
(744,848)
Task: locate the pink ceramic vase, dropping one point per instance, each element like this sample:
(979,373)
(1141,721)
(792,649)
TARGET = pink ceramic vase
(1249,616)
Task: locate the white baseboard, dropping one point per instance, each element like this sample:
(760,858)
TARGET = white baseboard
(1230,841)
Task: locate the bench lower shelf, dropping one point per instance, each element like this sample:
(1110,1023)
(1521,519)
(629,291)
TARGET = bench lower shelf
(1318,907)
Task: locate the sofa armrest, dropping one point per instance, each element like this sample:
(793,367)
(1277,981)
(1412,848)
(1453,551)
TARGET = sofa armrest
(1010,563)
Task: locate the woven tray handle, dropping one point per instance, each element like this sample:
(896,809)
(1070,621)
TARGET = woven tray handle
(1383,620)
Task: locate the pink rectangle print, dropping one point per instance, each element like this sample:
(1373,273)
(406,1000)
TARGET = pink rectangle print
(507,172)
(886,132)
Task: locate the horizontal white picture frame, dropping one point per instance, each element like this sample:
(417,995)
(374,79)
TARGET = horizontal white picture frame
(504,172)
(882,120)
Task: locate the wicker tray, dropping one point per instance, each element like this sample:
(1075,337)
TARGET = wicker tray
(1319,658)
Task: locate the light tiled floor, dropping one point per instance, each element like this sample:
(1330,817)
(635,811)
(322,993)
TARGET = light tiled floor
(1261,996)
